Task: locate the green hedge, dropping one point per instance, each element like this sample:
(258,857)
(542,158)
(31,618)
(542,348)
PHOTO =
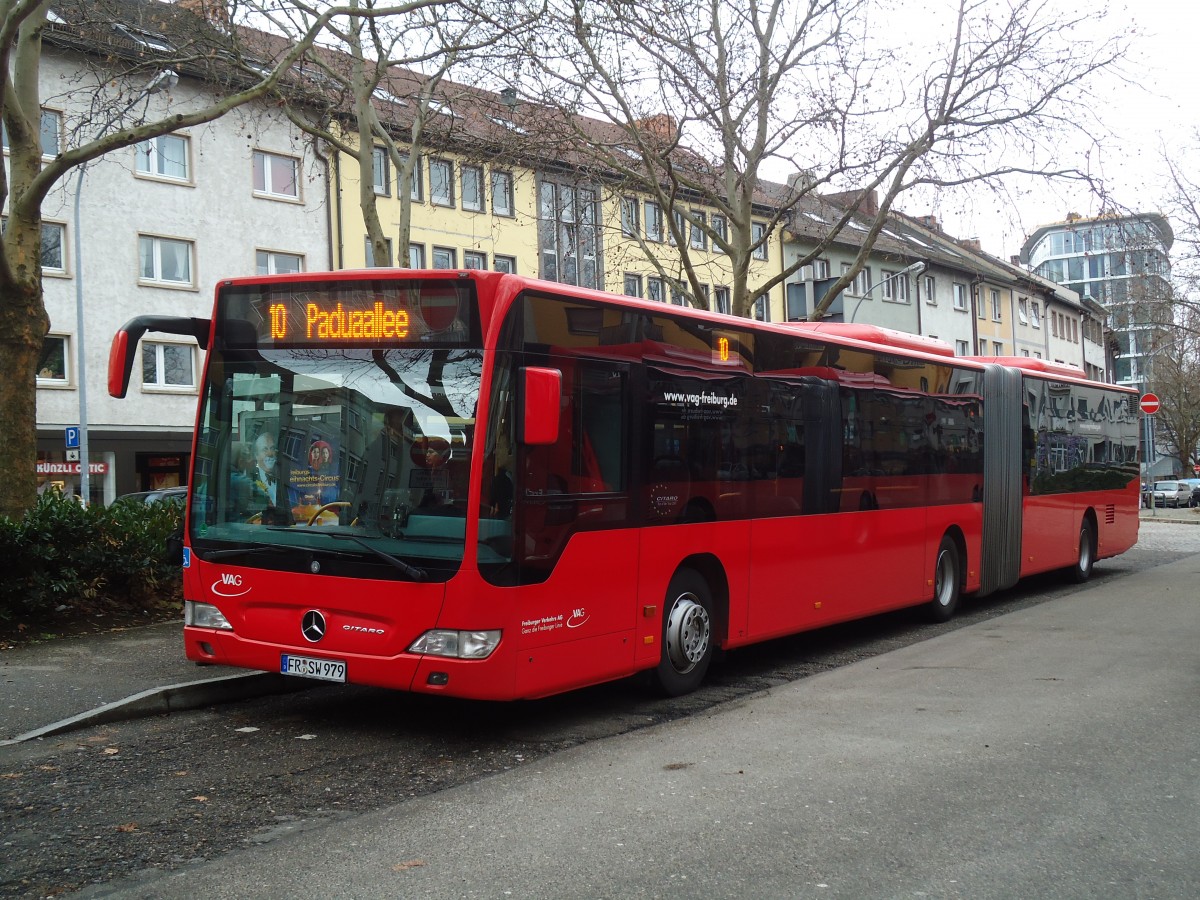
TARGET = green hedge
(99,558)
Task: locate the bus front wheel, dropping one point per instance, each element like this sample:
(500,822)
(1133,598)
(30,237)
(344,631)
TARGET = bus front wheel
(1082,570)
(687,634)
(947,581)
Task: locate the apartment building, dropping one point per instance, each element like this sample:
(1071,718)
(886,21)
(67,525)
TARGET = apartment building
(159,225)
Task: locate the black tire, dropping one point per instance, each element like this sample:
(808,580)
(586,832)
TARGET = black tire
(947,582)
(687,634)
(1082,570)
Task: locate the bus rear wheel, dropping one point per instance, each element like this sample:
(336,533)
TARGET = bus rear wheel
(687,634)
(1082,570)
(947,582)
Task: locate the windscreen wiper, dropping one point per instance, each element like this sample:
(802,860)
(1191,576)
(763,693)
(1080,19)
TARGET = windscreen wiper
(208,555)
(412,571)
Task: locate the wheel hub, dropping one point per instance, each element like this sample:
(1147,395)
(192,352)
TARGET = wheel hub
(689,629)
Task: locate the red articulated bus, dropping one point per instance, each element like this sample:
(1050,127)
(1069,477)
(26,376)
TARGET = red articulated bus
(488,486)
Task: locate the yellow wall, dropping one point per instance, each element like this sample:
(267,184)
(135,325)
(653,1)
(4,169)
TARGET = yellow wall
(455,228)
(516,235)
(626,255)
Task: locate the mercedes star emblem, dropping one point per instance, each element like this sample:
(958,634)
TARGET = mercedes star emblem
(313,626)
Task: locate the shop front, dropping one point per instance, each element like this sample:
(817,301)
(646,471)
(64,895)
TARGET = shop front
(118,463)
(56,473)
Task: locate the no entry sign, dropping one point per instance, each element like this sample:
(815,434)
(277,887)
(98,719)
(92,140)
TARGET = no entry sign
(1149,404)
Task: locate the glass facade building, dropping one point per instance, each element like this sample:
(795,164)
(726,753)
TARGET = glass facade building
(1121,262)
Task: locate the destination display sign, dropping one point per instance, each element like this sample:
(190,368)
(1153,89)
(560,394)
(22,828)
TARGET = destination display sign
(352,313)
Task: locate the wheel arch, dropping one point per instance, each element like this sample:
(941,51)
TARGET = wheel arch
(960,542)
(709,567)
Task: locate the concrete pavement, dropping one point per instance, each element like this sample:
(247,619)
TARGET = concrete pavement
(67,683)
(1051,752)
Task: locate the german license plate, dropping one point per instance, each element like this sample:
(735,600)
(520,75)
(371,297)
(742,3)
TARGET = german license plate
(308,667)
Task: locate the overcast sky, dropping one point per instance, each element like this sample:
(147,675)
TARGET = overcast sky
(1162,110)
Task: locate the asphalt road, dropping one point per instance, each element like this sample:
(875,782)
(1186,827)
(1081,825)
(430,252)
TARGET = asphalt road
(95,808)
(1047,753)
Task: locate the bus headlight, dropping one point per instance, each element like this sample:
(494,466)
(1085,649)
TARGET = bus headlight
(204,615)
(457,644)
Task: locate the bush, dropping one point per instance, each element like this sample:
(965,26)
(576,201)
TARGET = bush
(102,559)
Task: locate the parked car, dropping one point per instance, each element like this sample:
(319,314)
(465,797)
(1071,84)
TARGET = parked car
(162,495)
(1194,484)
(1172,493)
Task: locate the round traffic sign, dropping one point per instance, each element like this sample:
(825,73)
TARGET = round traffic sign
(1149,404)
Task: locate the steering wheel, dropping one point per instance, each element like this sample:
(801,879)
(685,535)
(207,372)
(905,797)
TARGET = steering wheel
(336,504)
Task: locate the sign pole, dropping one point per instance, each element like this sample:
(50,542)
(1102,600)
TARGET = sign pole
(1149,404)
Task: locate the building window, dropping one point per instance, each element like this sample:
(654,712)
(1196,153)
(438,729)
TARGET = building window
(698,239)
(166,156)
(50,250)
(655,290)
(762,308)
(472,259)
(276,176)
(758,235)
(720,231)
(268,262)
(164,261)
(1035,314)
(505,264)
(960,296)
(568,235)
(472,190)
(441,182)
(633,285)
(50,132)
(929,286)
(416,256)
(49,135)
(445,258)
(723,304)
(895,287)
(961,348)
(679,294)
(416,184)
(998,348)
(53,237)
(629,219)
(168,365)
(381,174)
(54,365)
(996,311)
(1023,310)
(369,256)
(820,269)
(654,222)
(502,194)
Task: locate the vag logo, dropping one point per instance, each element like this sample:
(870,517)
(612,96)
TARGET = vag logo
(229,585)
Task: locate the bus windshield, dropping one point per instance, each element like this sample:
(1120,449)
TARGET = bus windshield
(335,448)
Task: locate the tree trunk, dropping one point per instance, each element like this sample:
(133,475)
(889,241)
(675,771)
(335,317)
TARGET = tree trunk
(23,327)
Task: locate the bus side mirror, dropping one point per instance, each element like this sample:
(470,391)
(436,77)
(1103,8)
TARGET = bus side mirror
(541,391)
(125,341)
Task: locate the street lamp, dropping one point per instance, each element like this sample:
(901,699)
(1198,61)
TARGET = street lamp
(161,81)
(915,269)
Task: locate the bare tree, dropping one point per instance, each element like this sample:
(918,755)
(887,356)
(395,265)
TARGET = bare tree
(1174,374)
(118,64)
(704,99)
(386,83)
(1183,206)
